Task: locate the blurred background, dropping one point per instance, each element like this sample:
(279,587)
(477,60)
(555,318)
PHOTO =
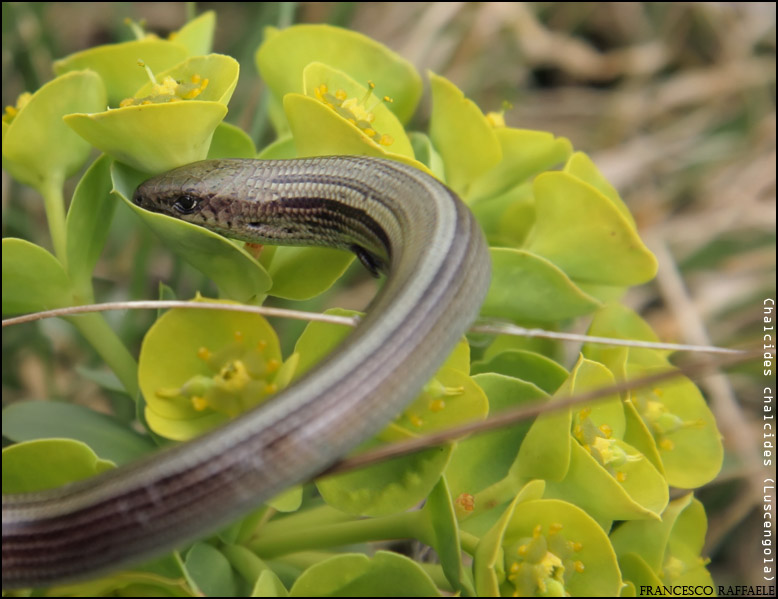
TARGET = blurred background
(675,103)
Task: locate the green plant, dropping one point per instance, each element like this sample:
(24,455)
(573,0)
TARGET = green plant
(534,505)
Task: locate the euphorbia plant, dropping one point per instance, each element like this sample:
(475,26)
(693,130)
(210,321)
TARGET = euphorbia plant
(564,504)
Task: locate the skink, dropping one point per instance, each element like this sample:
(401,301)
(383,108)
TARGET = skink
(396,219)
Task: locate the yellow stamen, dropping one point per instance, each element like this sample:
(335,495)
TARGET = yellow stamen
(415,420)
(466,501)
(496,119)
(199,403)
(436,405)
(578,566)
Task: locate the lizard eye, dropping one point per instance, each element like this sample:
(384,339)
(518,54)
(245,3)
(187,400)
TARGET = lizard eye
(186,204)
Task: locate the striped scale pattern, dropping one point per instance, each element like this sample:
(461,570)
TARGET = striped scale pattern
(398,220)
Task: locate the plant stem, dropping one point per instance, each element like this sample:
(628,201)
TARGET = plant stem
(496,494)
(54,202)
(244,561)
(397,526)
(105,341)
(316,517)
(468,542)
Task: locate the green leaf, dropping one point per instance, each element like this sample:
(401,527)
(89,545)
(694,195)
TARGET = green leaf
(37,146)
(269,585)
(48,463)
(165,128)
(117,65)
(220,70)
(459,358)
(426,154)
(669,549)
(527,287)
(197,368)
(386,574)
(287,501)
(154,138)
(300,273)
(684,428)
(607,477)
(581,166)
(634,569)
(527,366)
(103,378)
(550,348)
(88,221)
(545,452)
(236,273)
(525,153)
(619,322)
(319,339)
(358,104)
(507,218)
(33,279)
(282,148)
(284,54)
(649,538)
(230,141)
(688,537)
(573,537)
(440,511)
(639,436)
(484,459)
(320,131)
(389,487)
(211,571)
(466,141)
(583,233)
(643,494)
(109,438)
(450,399)
(488,560)
(197,35)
